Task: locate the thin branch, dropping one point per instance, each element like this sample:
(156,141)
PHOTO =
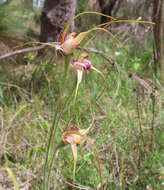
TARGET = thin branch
(36,48)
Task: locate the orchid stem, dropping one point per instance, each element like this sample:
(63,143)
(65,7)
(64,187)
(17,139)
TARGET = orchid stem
(57,115)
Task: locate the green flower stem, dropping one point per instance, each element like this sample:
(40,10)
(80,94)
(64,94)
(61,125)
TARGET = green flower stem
(57,116)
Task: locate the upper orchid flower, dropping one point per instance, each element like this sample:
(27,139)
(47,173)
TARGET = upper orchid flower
(69,43)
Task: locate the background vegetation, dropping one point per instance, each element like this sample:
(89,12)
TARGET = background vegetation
(125,111)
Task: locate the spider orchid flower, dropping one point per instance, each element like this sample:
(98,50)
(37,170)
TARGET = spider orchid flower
(81,64)
(76,137)
(69,43)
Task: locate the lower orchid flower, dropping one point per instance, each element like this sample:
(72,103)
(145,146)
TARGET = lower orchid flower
(76,137)
(81,64)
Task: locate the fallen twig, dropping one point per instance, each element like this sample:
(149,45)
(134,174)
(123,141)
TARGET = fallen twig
(36,48)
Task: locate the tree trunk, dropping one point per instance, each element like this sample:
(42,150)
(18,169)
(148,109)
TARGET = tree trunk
(55,15)
(106,8)
(158,18)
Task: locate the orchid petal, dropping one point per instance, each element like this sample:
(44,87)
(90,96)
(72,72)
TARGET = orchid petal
(79,79)
(79,76)
(93,68)
(74,152)
(83,13)
(85,131)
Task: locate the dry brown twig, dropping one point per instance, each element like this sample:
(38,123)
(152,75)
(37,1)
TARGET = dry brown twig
(36,48)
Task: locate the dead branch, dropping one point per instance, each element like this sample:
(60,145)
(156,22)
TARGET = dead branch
(36,48)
